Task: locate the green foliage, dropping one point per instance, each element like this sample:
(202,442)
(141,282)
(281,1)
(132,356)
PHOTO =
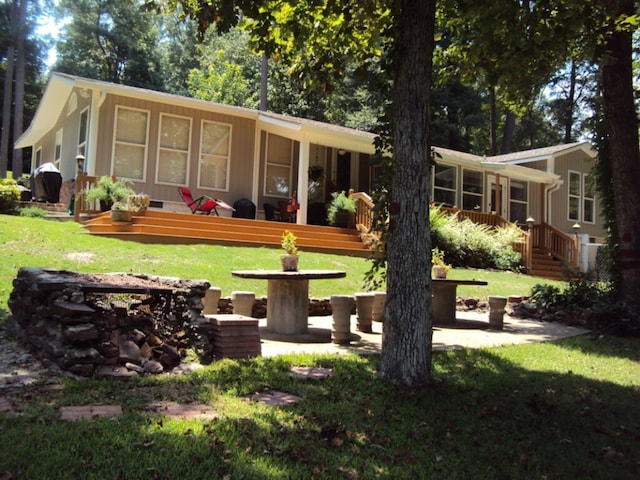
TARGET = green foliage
(110,191)
(33,212)
(472,245)
(9,195)
(340,202)
(587,303)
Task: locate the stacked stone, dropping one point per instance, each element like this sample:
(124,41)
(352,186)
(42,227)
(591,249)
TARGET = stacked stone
(66,318)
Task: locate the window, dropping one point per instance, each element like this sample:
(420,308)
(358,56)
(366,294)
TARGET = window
(444,185)
(83,132)
(130,143)
(277,179)
(173,153)
(518,198)
(575,190)
(58,149)
(472,192)
(38,157)
(215,147)
(588,200)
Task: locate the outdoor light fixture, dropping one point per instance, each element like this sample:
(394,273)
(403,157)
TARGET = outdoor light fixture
(576,228)
(530,221)
(80,161)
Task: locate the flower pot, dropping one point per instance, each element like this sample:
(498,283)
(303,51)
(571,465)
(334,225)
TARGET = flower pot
(439,271)
(345,220)
(289,262)
(121,216)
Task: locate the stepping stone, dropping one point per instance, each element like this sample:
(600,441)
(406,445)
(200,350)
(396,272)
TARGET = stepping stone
(90,411)
(314,373)
(192,410)
(274,398)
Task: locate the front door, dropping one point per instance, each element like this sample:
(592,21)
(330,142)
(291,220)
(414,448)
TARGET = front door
(497,198)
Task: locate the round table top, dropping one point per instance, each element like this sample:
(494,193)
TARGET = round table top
(283,275)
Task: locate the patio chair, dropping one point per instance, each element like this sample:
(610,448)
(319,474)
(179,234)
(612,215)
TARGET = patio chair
(203,204)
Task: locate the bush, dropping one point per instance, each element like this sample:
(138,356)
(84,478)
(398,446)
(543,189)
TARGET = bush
(468,244)
(9,196)
(33,212)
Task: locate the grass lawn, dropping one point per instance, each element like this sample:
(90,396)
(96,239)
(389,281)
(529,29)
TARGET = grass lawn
(565,409)
(28,242)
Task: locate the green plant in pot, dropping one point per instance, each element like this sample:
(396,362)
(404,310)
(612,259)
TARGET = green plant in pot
(289,259)
(108,191)
(341,211)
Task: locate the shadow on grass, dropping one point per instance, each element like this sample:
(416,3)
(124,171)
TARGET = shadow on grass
(485,417)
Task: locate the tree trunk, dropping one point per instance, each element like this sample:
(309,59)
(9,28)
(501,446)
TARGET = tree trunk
(493,122)
(507,136)
(407,337)
(6,114)
(568,120)
(621,124)
(18,114)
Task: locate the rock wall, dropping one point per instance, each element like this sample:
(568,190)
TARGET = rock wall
(109,324)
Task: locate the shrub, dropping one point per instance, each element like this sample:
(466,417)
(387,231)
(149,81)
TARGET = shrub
(9,196)
(467,244)
(33,212)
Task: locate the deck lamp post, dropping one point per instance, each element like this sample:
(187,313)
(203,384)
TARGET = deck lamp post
(530,221)
(576,230)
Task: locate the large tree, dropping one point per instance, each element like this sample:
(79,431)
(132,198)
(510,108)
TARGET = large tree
(319,39)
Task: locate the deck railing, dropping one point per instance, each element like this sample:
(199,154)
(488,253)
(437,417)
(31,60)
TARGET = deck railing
(556,243)
(81,205)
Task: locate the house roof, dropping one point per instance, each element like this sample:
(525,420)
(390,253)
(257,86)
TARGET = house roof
(545,153)
(61,85)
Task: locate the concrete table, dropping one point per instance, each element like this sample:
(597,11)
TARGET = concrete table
(444,299)
(288,297)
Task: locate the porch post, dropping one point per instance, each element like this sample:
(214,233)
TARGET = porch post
(543,206)
(498,205)
(303,181)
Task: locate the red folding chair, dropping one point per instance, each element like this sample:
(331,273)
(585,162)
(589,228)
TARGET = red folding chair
(203,204)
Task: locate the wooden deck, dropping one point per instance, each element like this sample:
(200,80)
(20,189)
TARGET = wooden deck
(183,228)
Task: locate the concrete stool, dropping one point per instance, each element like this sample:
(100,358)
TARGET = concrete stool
(364,305)
(210,300)
(378,306)
(243,303)
(341,307)
(496,311)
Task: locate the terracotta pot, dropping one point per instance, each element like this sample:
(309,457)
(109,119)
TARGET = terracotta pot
(289,262)
(439,271)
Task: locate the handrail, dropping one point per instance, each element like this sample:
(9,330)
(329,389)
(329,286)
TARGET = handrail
(364,211)
(557,243)
(81,206)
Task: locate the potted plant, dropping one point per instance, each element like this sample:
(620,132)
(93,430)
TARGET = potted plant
(121,213)
(342,211)
(139,203)
(289,259)
(439,267)
(108,191)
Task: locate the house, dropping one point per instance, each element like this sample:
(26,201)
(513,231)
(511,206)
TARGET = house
(162,141)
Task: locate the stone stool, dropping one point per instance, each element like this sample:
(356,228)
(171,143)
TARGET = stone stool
(210,300)
(364,305)
(243,303)
(496,311)
(378,306)
(341,307)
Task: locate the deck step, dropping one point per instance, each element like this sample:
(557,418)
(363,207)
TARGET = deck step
(170,227)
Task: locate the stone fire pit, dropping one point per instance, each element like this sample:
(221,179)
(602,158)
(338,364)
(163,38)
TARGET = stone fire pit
(108,324)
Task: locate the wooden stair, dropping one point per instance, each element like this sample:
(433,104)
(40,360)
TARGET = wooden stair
(170,227)
(546,265)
